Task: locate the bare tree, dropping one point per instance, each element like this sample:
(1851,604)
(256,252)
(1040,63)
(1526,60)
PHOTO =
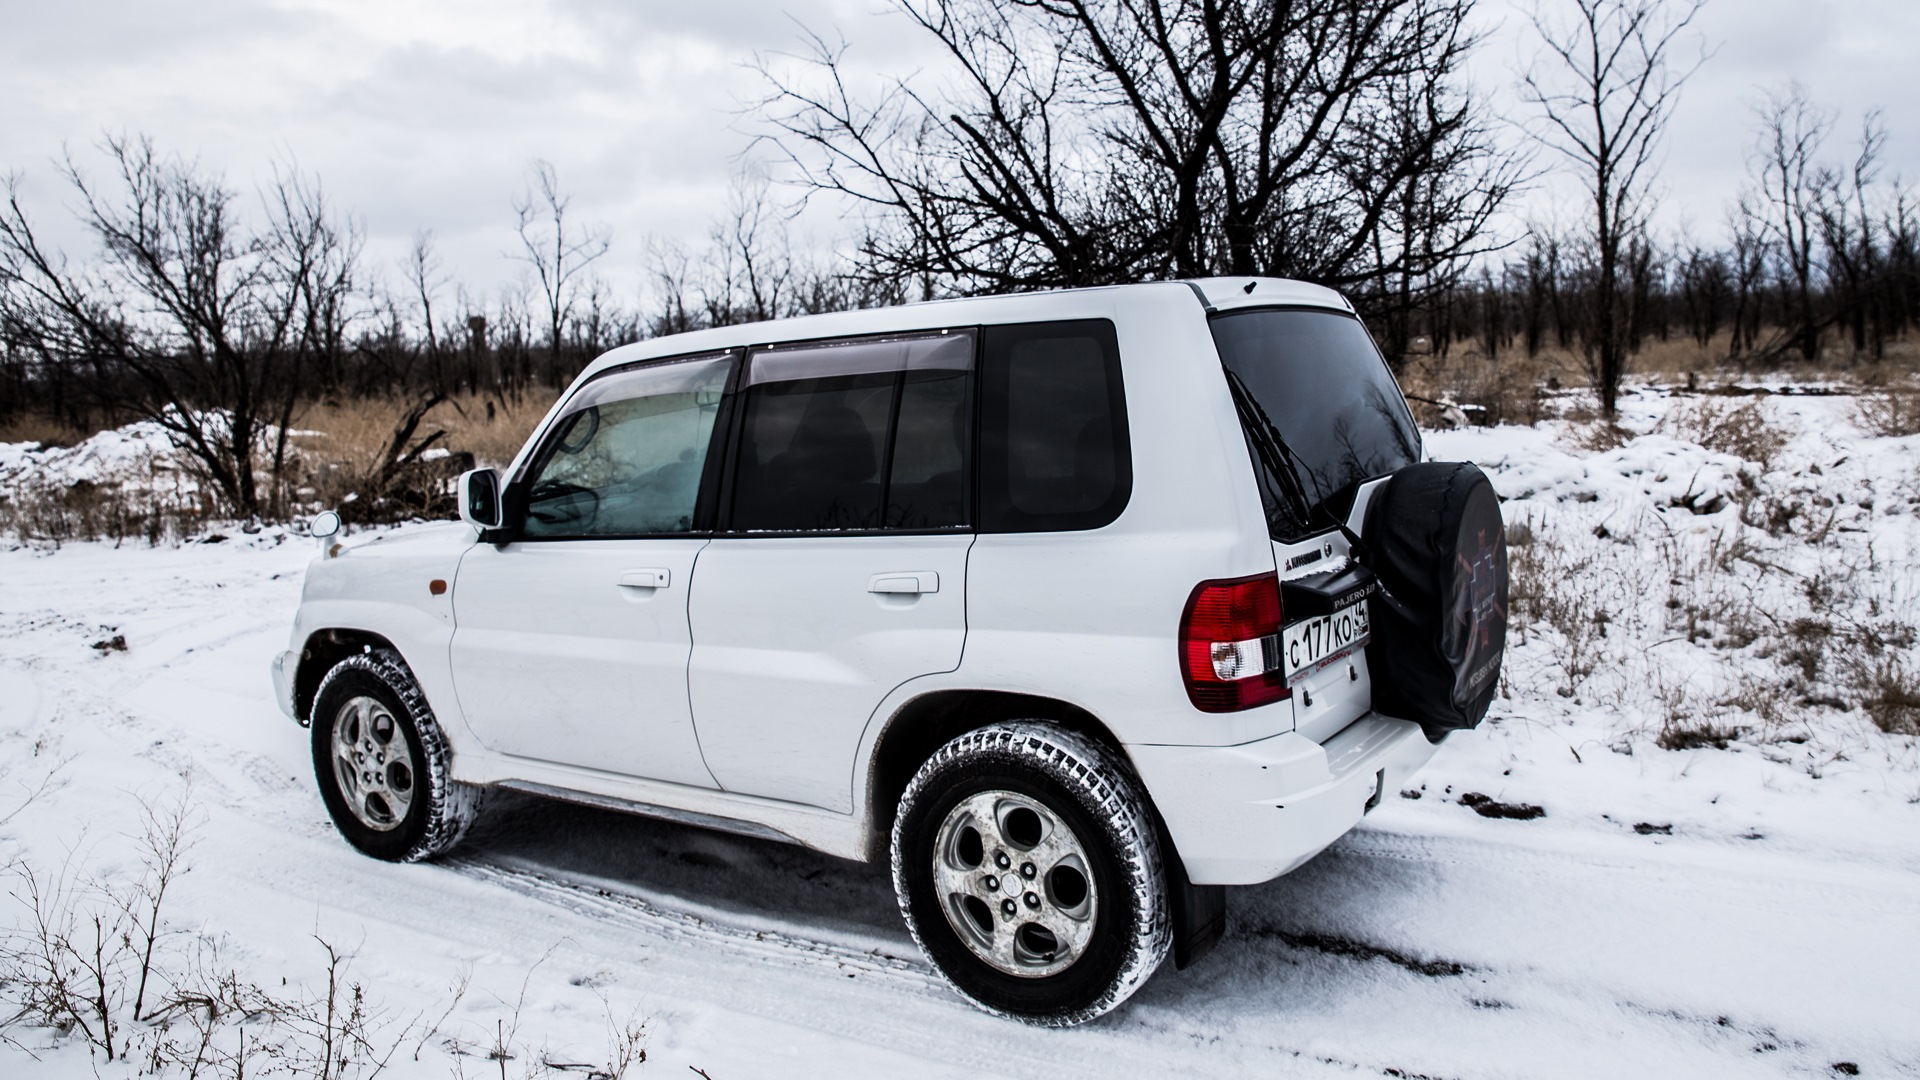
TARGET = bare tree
(426,276)
(1751,253)
(1705,288)
(1791,183)
(1852,241)
(1089,143)
(754,265)
(1605,85)
(190,320)
(558,252)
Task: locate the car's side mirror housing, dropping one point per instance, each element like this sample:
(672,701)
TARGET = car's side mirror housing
(324,527)
(480,499)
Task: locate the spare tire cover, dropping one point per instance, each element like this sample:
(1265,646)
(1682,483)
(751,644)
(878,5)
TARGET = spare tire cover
(1439,548)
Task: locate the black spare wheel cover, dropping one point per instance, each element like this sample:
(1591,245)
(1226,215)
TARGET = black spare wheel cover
(1439,549)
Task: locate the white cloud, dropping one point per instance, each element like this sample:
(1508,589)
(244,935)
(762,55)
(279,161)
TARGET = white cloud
(424,114)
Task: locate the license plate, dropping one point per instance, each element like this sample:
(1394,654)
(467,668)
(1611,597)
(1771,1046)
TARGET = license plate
(1310,643)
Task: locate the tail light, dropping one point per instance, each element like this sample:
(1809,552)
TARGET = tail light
(1230,644)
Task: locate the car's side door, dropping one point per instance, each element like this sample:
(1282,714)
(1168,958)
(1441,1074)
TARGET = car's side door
(571,641)
(838,567)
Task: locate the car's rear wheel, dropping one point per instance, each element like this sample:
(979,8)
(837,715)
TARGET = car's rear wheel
(383,765)
(1027,867)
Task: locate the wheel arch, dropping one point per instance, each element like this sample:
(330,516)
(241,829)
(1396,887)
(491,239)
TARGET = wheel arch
(321,651)
(927,722)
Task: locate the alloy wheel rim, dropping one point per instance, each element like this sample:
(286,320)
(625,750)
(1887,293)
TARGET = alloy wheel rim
(1013,880)
(373,764)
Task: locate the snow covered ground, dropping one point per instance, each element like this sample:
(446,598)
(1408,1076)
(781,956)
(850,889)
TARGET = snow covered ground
(1676,912)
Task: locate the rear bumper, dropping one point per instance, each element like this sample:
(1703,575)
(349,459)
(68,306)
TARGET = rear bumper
(284,665)
(1240,815)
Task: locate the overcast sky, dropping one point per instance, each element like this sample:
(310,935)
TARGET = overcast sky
(424,115)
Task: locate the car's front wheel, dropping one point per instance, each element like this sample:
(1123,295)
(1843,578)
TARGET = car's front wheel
(383,765)
(1027,867)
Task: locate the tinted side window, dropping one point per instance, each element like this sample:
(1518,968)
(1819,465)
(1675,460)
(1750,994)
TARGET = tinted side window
(1053,428)
(928,487)
(626,457)
(855,436)
(812,453)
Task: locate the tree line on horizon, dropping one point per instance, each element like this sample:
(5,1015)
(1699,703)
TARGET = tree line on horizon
(1069,144)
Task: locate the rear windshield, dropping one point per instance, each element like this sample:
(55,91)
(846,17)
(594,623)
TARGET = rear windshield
(1320,410)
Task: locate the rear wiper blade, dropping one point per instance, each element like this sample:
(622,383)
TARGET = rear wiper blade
(1275,454)
(1286,467)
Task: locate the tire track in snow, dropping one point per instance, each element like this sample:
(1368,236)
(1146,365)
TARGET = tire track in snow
(624,906)
(616,908)
(1727,898)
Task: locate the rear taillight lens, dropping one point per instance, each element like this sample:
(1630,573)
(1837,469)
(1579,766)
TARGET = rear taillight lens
(1230,644)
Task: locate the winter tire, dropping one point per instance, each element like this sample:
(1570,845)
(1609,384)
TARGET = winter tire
(383,766)
(1027,867)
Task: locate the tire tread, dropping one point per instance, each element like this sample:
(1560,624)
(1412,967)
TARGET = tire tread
(451,805)
(1105,789)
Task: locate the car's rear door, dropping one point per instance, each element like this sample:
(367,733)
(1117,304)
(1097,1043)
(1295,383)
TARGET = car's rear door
(571,641)
(840,572)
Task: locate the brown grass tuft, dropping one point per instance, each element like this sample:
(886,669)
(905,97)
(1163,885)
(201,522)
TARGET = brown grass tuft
(1696,736)
(1890,412)
(38,429)
(1739,428)
(1893,699)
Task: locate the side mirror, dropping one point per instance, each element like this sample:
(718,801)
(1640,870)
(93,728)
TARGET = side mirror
(324,527)
(480,499)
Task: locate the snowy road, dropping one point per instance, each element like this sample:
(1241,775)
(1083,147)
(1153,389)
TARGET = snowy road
(1772,931)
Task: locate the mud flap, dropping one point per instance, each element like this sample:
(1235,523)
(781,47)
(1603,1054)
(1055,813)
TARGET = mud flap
(1199,918)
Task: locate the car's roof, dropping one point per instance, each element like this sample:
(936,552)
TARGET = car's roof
(1214,294)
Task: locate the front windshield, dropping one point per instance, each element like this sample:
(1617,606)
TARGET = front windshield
(1321,412)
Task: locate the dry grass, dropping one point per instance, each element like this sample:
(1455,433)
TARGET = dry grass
(28,428)
(1892,697)
(1512,388)
(96,958)
(490,428)
(88,511)
(1555,585)
(1737,426)
(363,457)
(357,456)
(1679,357)
(1893,410)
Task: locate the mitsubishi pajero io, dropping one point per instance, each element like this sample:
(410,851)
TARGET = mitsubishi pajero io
(1075,607)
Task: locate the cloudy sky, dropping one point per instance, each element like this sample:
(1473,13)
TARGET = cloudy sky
(424,114)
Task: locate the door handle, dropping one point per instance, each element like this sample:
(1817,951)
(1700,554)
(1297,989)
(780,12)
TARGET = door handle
(900,581)
(644,579)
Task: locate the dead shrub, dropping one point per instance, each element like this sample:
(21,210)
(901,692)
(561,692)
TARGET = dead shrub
(1892,698)
(1696,736)
(117,510)
(381,476)
(1550,582)
(1602,436)
(1526,588)
(1765,696)
(98,959)
(385,459)
(1719,424)
(1890,413)
(1470,388)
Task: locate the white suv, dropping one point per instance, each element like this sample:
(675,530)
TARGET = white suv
(1075,606)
